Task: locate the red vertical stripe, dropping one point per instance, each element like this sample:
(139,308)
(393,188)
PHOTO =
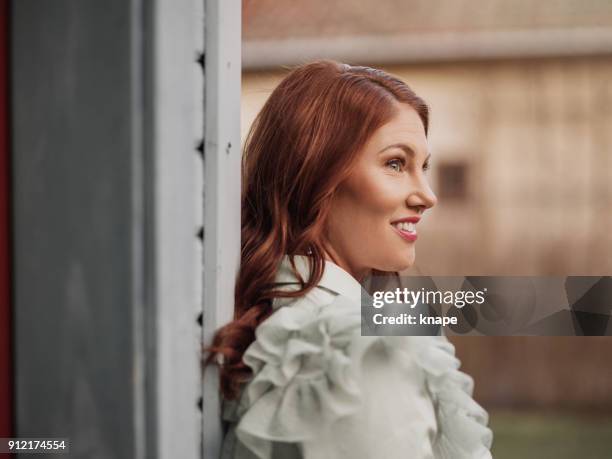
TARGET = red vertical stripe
(5,313)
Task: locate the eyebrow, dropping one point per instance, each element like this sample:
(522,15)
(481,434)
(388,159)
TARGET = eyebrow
(406,148)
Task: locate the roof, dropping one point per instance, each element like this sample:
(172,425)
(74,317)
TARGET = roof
(277,32)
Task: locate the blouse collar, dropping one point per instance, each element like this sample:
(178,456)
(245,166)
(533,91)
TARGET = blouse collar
(334,277)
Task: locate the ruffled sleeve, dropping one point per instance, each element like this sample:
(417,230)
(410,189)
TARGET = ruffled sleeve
(305,377)
(308,367)
(462,423)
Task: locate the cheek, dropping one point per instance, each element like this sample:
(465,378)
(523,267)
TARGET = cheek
(365,206)
(378,196)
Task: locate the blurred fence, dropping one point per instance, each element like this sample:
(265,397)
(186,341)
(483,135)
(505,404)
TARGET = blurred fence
(539,372)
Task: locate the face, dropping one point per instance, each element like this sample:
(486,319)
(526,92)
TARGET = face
(373,222)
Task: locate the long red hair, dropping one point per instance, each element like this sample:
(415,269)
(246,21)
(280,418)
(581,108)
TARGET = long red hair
(298,150)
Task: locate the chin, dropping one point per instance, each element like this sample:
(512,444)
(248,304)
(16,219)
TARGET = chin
(406,265)
(401,263)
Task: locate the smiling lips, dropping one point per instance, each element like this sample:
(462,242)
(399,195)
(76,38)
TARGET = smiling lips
(406,228)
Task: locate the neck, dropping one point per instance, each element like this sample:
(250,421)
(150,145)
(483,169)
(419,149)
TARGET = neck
(359,273)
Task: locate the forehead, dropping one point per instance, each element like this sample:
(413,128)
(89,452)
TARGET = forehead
(404,127)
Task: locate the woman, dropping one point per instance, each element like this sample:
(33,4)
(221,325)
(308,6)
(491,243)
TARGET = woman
(334,185)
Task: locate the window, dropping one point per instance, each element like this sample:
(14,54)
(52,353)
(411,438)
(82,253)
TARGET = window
(453,180)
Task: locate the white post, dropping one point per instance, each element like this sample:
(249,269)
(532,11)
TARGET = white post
(222,155)
(178,183)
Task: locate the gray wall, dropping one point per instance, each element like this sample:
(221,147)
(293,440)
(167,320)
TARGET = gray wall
(80,158)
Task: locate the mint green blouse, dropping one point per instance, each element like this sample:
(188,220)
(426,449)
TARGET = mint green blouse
(321,390)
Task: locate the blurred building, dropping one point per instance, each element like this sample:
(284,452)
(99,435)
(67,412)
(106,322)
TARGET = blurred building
(521,101)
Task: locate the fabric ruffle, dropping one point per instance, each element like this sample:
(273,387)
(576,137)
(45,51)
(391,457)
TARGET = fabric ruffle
(304,368)
(307,361)
(462,423)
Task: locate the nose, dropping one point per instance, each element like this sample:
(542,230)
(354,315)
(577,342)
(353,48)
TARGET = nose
(422,197)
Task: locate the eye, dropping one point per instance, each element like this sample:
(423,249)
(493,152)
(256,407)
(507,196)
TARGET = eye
(397,164)
(426,166)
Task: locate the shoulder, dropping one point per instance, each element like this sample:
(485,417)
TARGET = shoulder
(309,326)
(306,364)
